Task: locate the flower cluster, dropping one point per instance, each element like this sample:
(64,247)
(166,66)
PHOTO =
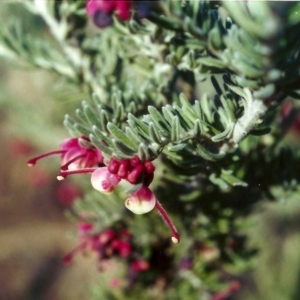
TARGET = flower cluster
(76,153)
(79,156)
(102,11)
(107,244)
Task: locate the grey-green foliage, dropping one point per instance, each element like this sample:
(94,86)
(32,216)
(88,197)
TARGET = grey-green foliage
(133,69)
(194,130)
(256,41)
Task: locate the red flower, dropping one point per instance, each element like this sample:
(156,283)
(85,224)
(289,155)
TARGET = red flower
(104,181)
(76,153)
(106,243)
(101,11)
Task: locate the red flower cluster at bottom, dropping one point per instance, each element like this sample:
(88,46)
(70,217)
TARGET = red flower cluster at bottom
(107,244)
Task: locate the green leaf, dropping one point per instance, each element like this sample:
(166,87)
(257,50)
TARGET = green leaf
(175,133)
(90,114)
(264,92)
(104,119)
(82,129)
(97,132)
(176,148)
(139,127)
(133,135)
(81,116)
(69,124)
(121,136)
(188,123)
(154,134)
(100,145)
(223,185)
(198,128)
(198,110)
(211,62)
(186,104)
(168,113)
(143,152)
(126,151)
(207,154)
(223,135)
(227,104)
(159,121)
(232,180)
(119,113)
(239,91)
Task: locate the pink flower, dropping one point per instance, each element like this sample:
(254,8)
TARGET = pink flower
(141,201)
(133,170)
(105,244)
(104,181)
(102,10)
(76,153)
(123,248)
(123,9)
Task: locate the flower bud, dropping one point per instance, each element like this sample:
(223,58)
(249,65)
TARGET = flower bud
(141,201)
(104,181)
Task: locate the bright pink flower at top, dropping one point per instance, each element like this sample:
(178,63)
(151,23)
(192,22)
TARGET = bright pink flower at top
(93,6)
(101,11)
(123,9)
(76,153)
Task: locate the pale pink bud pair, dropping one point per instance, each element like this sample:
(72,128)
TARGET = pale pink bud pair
(104,181)
(139,202)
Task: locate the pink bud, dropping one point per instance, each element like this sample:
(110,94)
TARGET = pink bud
(106,235)
(135,161)
(123,9)
(123,170)
(104,181)
(122,247)
(93,6)
(141,201)
(149,167)
(113,166)
(135,174)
